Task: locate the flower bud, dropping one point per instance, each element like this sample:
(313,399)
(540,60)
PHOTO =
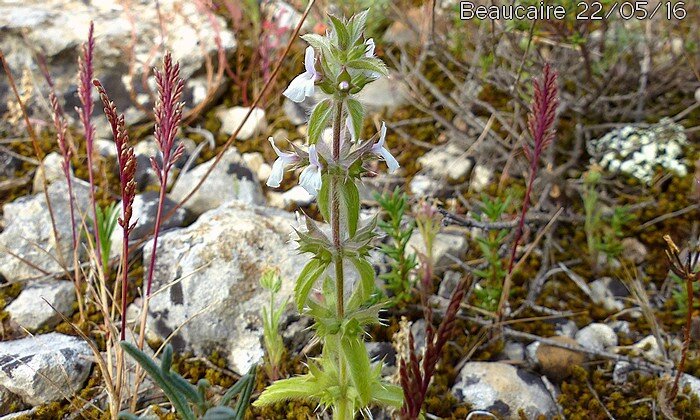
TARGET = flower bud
(344,81)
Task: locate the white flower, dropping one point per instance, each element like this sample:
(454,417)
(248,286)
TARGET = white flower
(283,159)
(379,150)
(369,51)
(310,177)
(303,85)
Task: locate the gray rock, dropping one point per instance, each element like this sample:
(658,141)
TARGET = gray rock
(503,390)
(382,351)
(31,311)
(9,402)
(597,337)
(566,327)
(450,280)
(29,234)
(606,291)
(297,114)
(514,351)
(231,118)
(59,27)
(144,210)
(106,148)
(384,93)
(419,335)
(210,272)
(425,186)
(480,178)
(230,180)
(8,165)
(448,163)
(145,149)
(446,245)
(44,368)
(633,250)
(256,163)
(53,170)
(297,196)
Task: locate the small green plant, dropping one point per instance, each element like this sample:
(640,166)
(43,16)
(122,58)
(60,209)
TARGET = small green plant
(106,223)
(489,291)
(341,379)
(274,345)
(190,402)
(680,296)
(603,234)
(397,280)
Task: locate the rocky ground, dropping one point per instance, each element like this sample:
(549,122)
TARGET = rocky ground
(589,335)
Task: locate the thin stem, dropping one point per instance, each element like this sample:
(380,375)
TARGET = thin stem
(686,338)
(341,408)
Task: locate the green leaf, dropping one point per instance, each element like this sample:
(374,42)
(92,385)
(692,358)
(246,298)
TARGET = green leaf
(176,399)
(356,25)
(125,415)
(355,353)
(238,386)
(357,115)
(297,388)
(220,413)
(319,120)
(372,64)
(351,197)
(244,401)
(388,395)
(340,32)
(366,286)
(323,198)
(307,278)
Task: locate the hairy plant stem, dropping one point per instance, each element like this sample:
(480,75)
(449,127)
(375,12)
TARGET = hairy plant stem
(341,409)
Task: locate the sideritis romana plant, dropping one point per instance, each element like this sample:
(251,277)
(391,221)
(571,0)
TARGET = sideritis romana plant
(340,64)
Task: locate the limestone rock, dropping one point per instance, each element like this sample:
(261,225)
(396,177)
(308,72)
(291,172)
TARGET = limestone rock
(503,390)
(210,271)
(29,233)
(597,337)
(52,171)
(231,118)
(44,368)
(230,180)
(145,209)
(59,27)
(31,311)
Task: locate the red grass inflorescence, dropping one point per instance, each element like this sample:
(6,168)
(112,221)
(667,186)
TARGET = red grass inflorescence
(85,76)
(168,113)
(127,168)
(540,124)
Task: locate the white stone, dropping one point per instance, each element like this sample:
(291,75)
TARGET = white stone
(230,180)
(44,368)
(596,336)
(31,311)
(504,390)
(59,27)
(297,195)
(29,232)
(53,170)
(209,273)
(232,118)
(446,244)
